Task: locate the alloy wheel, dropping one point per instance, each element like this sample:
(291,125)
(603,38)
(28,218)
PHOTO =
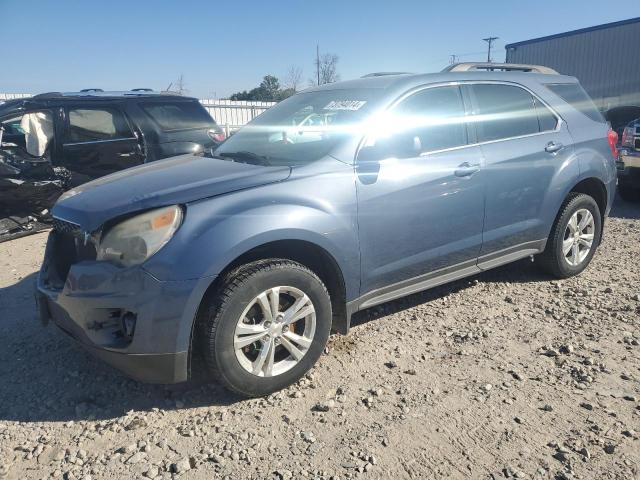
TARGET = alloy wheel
(275,331)
(578,237)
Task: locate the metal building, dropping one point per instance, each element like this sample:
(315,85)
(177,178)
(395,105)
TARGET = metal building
(605,58)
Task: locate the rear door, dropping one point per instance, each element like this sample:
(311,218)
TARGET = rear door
(526,147)
(98,141)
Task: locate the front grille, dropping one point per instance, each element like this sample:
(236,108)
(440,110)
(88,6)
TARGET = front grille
(62,226)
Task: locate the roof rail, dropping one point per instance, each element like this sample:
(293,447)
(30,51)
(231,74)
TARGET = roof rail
(503,67)
(48,95)
(382,74)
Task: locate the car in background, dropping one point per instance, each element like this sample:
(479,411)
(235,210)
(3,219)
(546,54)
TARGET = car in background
(629,162)
(55,141)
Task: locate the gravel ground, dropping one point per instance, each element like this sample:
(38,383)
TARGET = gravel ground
(506,374)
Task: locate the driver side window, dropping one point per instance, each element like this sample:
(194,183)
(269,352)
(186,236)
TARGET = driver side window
(433,119)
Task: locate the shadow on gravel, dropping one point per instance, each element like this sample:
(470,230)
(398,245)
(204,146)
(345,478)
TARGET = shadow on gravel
(46,376)
(522,271)
(627,210)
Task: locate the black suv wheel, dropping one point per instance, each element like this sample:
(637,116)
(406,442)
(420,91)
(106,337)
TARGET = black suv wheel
(574,237)
(266,327)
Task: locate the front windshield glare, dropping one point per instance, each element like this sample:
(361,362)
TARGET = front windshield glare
(301,129)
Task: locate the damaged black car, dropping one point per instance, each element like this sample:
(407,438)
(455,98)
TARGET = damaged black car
(52,142)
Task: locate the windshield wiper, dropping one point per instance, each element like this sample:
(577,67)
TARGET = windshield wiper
(246,157)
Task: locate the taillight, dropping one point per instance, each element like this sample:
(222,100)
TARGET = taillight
(216,135)
(612,137)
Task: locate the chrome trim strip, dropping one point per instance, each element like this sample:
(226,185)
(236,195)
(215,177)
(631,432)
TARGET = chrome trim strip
(559,123)
(92,142)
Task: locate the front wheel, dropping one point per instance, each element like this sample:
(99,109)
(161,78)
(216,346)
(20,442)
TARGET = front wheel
(266,327)
(574,237)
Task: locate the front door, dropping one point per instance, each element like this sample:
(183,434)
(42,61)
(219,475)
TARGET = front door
(98,141)
(421,205)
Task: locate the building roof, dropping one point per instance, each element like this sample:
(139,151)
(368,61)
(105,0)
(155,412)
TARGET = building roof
(575,32)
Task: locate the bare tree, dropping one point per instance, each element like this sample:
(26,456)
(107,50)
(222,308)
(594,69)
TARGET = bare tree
(293,78)
(326,69)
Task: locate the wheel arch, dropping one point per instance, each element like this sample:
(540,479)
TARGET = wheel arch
(307,253)
(596,189)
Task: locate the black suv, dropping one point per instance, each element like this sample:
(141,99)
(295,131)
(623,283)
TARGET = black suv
(55,141)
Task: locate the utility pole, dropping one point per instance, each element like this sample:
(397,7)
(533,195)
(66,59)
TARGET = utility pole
(318,62)
(453,58)
(489,40)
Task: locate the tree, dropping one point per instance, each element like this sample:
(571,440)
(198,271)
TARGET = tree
(269,87)
(293,78)
(326,69)
(268,91)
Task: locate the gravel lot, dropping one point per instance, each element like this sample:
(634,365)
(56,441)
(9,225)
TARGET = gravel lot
(507,374)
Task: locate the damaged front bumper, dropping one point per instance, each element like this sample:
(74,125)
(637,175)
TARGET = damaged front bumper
(125,316)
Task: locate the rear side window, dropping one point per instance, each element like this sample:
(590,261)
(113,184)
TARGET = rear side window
(436,118)
(178,115)
(546,118)
(92,124)
(574,95)
(504,111)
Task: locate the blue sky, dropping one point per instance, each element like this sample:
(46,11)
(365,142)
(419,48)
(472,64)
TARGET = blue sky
(222,47)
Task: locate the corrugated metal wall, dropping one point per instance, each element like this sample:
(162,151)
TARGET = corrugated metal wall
(606,61)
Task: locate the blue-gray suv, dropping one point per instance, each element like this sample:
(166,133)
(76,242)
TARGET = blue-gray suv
(337,199)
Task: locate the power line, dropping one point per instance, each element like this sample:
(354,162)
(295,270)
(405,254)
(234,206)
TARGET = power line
(489,41)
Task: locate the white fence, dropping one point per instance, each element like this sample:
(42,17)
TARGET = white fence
(229,114)
(232,114)
(11,96)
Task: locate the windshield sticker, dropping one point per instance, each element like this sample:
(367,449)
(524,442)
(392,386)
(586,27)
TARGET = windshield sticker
(345,105)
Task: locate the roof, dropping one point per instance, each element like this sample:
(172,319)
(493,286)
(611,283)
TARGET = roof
(402,82)
(604,26)
(53,99)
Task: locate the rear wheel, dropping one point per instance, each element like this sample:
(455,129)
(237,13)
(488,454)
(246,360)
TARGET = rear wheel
(266,327)
(574,237)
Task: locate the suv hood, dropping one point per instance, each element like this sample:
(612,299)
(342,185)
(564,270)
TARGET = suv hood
(176,180)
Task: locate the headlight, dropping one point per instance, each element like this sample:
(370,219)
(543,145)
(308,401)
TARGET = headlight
(133,241)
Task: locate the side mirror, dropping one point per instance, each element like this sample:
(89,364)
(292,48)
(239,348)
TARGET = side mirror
(400,146)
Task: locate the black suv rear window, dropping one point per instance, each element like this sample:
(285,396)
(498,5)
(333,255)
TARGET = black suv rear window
(574,95)
(178,115)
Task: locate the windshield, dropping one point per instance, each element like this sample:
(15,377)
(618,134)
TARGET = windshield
(301,129)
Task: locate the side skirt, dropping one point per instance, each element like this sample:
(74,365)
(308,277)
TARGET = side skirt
(442,276)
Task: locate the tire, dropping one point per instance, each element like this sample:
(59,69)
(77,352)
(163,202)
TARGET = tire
(553,260)
(238,297)
(628,193)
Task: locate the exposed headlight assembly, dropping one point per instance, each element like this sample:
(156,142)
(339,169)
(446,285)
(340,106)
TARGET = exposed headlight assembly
(134,240)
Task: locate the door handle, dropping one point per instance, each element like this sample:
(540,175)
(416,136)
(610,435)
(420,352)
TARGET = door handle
(553,147)
(125,154)
(466,169)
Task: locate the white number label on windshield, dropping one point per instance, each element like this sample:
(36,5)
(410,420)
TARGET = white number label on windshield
(345,105)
